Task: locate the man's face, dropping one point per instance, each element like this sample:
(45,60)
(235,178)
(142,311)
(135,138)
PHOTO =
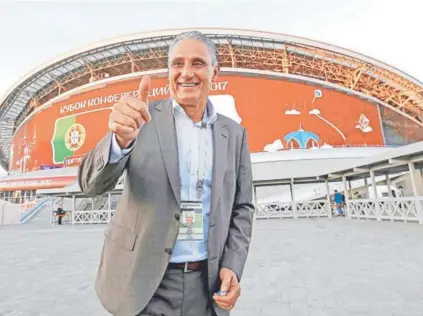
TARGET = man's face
(191,72)
(189,219)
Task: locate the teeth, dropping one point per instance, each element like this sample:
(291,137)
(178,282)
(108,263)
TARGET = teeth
(187,84)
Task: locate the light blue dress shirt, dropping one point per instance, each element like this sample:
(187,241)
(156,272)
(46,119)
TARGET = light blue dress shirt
(195,149)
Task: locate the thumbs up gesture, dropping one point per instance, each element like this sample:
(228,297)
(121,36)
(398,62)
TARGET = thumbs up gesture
(130,114)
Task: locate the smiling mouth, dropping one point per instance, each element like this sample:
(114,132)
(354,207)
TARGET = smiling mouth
(188,85)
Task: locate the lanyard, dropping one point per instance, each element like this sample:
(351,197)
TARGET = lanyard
(203,146)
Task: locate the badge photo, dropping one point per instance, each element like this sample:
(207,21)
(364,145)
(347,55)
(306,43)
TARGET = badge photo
(188,218)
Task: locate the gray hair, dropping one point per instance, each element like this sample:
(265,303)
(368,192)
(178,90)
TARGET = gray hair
(195,35)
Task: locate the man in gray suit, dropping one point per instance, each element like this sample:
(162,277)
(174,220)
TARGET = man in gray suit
(179,239)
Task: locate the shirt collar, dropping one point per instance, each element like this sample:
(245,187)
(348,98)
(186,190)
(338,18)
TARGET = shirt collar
(210,115)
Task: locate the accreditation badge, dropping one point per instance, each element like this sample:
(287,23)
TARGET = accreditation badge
(191,221)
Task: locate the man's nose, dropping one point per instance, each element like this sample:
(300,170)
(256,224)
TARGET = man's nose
(187,72)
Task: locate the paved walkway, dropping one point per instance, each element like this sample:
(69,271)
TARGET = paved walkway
(321,267)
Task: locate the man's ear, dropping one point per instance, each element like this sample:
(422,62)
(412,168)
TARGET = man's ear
(216,72)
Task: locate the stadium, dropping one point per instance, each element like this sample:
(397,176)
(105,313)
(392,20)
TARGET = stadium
(299,99)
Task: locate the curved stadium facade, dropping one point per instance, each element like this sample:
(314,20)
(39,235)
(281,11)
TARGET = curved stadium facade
(289,93)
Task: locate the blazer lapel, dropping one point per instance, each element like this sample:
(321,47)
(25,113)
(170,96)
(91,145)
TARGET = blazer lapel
(220,143)
(166,131)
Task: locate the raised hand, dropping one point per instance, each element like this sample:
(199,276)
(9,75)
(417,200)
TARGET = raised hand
(130,114)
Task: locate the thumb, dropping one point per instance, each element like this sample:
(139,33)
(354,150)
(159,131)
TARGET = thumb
(144,88)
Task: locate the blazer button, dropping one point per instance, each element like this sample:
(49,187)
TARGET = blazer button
(177,217)
(168,251)
(100,163)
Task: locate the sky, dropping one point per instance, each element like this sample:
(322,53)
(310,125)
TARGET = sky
(32,33)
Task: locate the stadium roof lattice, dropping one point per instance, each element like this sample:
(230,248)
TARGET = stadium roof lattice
(239,49)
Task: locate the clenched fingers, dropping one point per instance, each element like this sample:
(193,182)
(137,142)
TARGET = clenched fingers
(123,108)
(228,301)
(136,104)
(226,306)
(120,129)
(121,123)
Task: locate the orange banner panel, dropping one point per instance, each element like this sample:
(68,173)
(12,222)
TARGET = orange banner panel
(277,113)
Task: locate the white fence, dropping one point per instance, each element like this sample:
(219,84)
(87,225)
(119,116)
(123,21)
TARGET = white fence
(275,210)
(91,216)
(407,209)
(316,208)
(388,209)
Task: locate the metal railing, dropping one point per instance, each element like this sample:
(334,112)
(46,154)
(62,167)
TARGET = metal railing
(407,209)
(29,213)
(92,216)
(304,209)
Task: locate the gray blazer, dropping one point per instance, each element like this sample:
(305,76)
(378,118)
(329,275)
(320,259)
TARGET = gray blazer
(140,237)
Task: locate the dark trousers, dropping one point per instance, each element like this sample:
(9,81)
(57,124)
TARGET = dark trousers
(181,294)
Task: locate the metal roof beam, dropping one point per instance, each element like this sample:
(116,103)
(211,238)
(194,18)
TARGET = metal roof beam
(395,161)
(417,158)
(359,170)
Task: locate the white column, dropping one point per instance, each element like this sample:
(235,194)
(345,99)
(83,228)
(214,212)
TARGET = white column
(350,188)
(294,204)
(347,205)
(412,171)
(73,209)
(388,184)
(375,197)
(366,184)
(328,198)
(2,214)
(52,209)
(255,194)
(418,202)
(73,203)
(109,209)
(390,204)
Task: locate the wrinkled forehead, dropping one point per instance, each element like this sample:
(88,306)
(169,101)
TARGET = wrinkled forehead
(190,49)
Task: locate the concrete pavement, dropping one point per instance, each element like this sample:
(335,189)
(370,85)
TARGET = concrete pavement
(310,267)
